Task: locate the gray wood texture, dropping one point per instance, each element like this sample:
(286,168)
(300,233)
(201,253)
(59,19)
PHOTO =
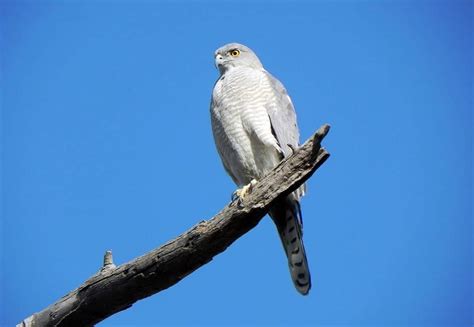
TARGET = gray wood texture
(114,289)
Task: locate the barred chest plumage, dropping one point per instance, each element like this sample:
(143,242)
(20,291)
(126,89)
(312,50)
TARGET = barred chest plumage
(241,125)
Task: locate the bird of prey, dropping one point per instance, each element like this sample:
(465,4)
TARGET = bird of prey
(254,127)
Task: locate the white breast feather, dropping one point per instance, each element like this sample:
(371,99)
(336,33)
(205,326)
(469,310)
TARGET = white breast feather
(241,125)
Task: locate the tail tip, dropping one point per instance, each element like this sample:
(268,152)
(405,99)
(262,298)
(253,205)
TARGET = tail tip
(303,288)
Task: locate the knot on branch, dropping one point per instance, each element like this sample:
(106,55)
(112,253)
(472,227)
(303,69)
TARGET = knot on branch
(108,262)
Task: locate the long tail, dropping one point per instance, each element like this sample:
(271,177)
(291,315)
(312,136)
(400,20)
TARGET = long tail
(287,217)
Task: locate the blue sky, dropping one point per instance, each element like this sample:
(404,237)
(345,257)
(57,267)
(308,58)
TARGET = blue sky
(106,144)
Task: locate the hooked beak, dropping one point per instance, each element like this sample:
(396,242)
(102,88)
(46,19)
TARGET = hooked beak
(218,60)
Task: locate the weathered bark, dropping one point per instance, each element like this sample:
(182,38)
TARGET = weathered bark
(114,289)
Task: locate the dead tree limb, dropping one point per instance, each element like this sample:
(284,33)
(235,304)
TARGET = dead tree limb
(114,289)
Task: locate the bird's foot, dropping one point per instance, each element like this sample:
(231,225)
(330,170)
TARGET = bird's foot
(242,192)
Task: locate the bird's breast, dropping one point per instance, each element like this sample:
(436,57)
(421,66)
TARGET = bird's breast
(240,97)
(242,88)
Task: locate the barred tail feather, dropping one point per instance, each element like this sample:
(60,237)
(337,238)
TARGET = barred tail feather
(287,217)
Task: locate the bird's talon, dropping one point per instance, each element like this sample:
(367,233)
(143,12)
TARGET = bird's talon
(240,203)
(292,147)
(242,192)
(234,196)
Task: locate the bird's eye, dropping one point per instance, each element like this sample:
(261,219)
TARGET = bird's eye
(235,53)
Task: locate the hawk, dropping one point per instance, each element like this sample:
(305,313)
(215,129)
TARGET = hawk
(254,127)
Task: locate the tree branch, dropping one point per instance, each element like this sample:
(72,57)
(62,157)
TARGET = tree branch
(114,289)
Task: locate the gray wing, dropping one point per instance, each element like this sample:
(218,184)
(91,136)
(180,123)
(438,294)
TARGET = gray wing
(283,117)
(283,120)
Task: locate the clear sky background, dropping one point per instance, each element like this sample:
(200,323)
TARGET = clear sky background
(107,144)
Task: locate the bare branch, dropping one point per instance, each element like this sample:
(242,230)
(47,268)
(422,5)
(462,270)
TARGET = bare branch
(114,289)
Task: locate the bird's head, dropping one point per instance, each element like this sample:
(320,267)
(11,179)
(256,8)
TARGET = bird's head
(235,55)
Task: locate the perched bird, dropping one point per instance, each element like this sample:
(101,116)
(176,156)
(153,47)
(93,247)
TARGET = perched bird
(254,127)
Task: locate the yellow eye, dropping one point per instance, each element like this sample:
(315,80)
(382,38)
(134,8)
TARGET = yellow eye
(235,53)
